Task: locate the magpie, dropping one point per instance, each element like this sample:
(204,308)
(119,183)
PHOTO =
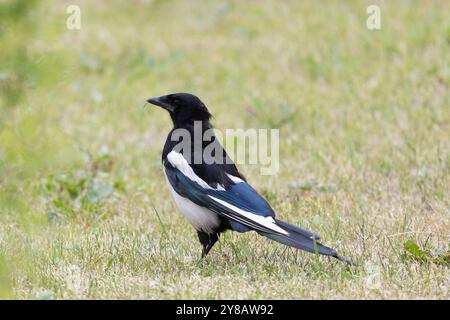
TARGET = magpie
(215,196)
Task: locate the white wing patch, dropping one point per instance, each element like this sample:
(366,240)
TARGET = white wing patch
(178,161)
(267,222)
(235,179)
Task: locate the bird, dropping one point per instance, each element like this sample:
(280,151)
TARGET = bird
(214,196)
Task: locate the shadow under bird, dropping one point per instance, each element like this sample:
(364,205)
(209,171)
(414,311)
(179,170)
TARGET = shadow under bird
(215,197)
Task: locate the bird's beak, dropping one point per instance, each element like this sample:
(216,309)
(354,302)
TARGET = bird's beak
(161,102)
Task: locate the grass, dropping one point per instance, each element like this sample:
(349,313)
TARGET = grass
(363,115)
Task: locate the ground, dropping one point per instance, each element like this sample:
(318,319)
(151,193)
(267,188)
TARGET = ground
(364,123)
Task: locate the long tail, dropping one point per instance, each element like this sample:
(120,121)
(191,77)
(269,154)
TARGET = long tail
(302,239)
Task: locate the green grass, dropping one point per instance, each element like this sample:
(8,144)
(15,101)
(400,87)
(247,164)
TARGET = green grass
(364,120)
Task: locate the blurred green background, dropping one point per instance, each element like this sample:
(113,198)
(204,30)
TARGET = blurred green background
(364,146)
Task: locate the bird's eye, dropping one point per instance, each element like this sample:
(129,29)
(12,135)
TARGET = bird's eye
(176,101)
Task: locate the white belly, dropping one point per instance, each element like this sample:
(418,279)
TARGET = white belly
(202,219)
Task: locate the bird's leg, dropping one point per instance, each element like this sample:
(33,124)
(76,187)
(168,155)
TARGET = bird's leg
(207,241)
(204,240)
(212,241)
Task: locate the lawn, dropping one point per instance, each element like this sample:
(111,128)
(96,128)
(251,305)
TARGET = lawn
(364,120)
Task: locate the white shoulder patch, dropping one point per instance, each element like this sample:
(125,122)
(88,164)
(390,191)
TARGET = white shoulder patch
(177,160)
(235,179)
(267,222)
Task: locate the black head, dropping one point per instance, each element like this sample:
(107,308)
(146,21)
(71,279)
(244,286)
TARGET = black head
(184,108)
